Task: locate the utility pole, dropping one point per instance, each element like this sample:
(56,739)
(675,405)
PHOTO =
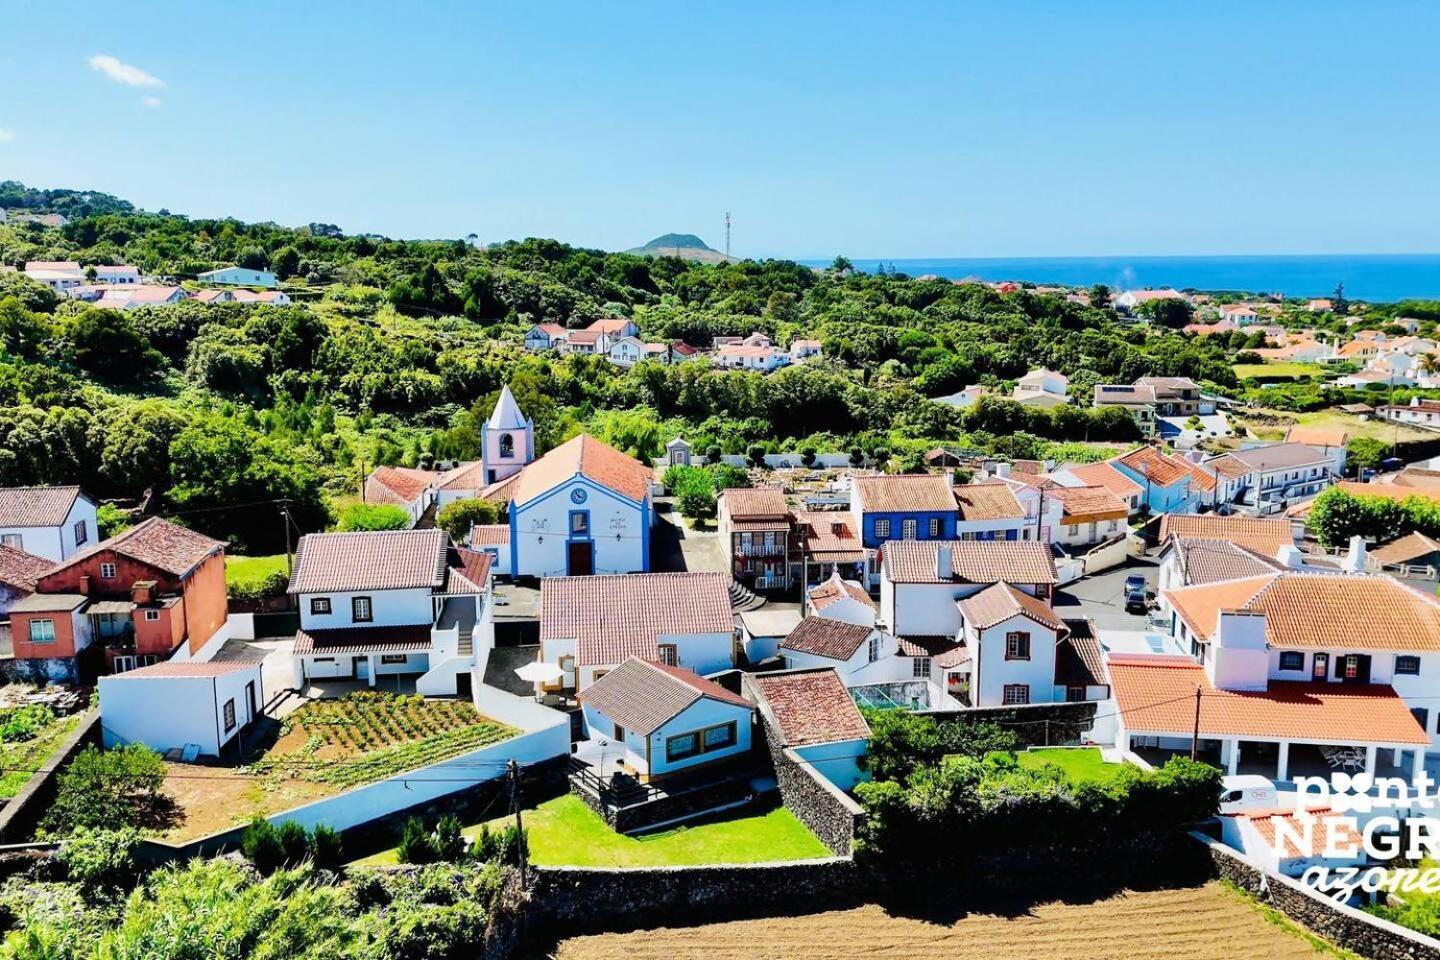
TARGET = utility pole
(727,234)
(285,516)
(522,854)
(1195,734)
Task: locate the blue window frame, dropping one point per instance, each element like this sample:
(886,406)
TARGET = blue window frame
(579,524)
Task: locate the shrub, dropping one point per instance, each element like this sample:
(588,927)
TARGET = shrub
(326,849)
(756,454)
(697,504)
(101,788)
(261,846)
(449,843)
(100,858)
(457,518)
(415,845)
(294,843)
(500,846)
(373,516)
(723,476)
(23,723)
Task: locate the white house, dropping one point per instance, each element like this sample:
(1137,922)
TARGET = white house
(144,295)
(920,580)
(810,712)
(171,705)
(742,356)
(963,399)
(409,488)
(272,298)
(582,508)
(1269,478)
(1042,388)
(840,599)
(1012,638)
(1102,474)
(801,349)
(401,605)
(761,631)
(850,648)
(627,351)
(59,275)
(49,522)
(544,336)
(652,719)
(1126,301)
(1088,515)
(115,274)
(238,276)
(989,511)
(590,625)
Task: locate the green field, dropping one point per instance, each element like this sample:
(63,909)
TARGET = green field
(1081,764)
(22,757)
(249,574)
(565,832)
(1278,371)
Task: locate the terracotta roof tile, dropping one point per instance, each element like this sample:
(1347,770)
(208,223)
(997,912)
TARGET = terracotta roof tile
(828,535)
(397,484)
(834,590)
(158,543)
(642,695)
(344,641)
(1156,694)
(1162,469)
(489,534)
(1088,504)
(1407,548)
(614,617)
(471,574)
(187,668)
(1213,561)
(1105,475)
(1304,610)
(467,476)
(1079,661)
(369,560)
(988,501)
(1327,824)
(20,570)
(823,637)
(1264,535)
(905,493)
(1318,436)
(588,457)
(811,706)
(36,506)
(998,603)
(972,561)
(743,502)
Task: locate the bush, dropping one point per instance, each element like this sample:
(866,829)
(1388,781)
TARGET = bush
(415,845)
(457,518)
(112,520)
(261,846)
(449,843)
(373,516)
(100,858)
(501,846)
(723,476)
(294,843)
(99,789)
(697,504)
(326,849)
(272,848)
(756,454)
(23,723)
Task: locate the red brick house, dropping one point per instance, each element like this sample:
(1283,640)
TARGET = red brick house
(131,600)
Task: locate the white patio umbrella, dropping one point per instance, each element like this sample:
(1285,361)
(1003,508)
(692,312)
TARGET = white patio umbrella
(538,671)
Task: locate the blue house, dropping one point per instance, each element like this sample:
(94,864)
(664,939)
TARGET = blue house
(904,507)
(1168,481)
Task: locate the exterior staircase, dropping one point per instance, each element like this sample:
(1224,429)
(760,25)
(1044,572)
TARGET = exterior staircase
(742,598)
(467,645)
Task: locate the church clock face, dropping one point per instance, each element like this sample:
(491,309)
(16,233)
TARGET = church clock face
(578,495)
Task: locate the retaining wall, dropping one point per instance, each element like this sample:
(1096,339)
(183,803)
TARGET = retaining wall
(22,813)
(1037,725)
(1342,925)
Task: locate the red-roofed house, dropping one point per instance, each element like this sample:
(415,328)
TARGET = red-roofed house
(389,607)
(810,714)
(651,719)
(755,524)
(1013,640)
(545,336)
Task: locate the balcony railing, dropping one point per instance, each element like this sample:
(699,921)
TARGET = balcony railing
(760,549)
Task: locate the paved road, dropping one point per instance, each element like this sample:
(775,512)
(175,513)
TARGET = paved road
(1102,597)
(675,548)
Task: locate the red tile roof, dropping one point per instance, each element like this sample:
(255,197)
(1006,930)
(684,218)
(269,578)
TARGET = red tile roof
(362,640)
(1089,504)
(828,535)
(1162,469)
(610,324)
(998,603)
(810,707)
(1212,561)
(188,668)
(1105,475)
(369,560)
(834,590)
(158,543)
(1318,436)
(905,493)
(397,484)
(1407,548)
(471,574)
(467,476)
(1302,610)
(36,506)
(1264,535)
(643,695)
(972,561)
(20,570)
(823,637)
(1156,694)
(988,501)
(489,534)
(614,617)
(743,502)
(587,457)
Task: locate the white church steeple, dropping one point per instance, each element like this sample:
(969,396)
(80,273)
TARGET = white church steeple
(509,439)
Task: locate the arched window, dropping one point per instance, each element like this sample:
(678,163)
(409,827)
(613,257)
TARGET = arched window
(507,445)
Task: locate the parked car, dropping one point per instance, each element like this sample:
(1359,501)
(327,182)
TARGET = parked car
(1136,597)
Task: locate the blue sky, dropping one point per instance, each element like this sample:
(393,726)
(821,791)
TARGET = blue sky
(875,130)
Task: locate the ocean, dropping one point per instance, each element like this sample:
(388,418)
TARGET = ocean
(1373,277)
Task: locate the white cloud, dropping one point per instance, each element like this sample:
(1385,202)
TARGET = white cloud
(123,72)
(151,102)
(6,135)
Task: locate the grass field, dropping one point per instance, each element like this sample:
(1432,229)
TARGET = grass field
(1080,764)
(1272,424)
(1289,371)
(249,573)
(20,757)
(565,832)
(1191,923)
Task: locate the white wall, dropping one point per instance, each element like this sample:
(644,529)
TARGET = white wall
(838,762)
(541,530)
(41,541)
(701,652)
(994,671)
(928,609)
(389,608)
(168,712)
(699,715)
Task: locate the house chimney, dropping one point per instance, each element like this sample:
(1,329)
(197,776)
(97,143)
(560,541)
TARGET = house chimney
(1291,557)
(944,562)
(1355,558)
(142,592)
(85,584)
(1239,657)
(949,478)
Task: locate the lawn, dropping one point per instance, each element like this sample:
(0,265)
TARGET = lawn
(250,576)
(43,734)
(325,747)
(1278,371)
(1272,424)
(565,832)
(1082,764)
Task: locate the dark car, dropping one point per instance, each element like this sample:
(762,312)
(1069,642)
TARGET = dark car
(1136,590)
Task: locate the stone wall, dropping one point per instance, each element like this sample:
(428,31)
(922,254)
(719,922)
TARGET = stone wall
(825,809)
(1342,925)
(572,900)
(23,811)
(1037,725)
(709,796)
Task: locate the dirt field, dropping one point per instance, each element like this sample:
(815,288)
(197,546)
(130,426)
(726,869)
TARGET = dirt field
(1199,923)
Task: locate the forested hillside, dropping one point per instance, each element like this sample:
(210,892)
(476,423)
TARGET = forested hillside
(393,350)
